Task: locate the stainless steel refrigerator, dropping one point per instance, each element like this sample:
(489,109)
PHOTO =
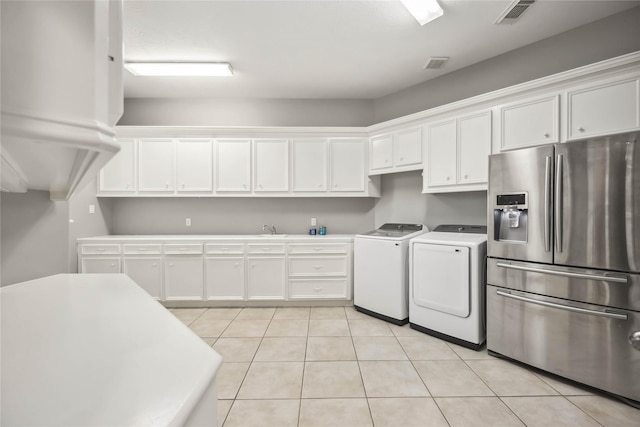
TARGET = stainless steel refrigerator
(563,267)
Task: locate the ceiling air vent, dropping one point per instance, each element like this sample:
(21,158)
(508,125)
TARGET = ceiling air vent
(514,11)
(435,62)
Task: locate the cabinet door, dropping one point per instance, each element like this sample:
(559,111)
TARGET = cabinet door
(309,165)
(119,174)
(533,122)
(266,278)
(183,278)
(101,265)
(441,156)
(156,159)
(381,153)
(347,164)
(224,278)
(233,165)
(146,272)
(474,147)
(194,165)
(408,148)
(271,167)
(604,109)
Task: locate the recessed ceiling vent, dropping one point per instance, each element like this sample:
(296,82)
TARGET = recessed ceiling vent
(515,10)
(435,62)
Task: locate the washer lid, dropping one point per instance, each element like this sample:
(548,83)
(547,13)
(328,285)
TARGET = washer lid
(394,230)
(456,228)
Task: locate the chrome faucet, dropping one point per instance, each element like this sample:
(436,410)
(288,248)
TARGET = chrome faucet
(272,228)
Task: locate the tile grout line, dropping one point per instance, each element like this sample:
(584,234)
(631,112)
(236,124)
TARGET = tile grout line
(304,368)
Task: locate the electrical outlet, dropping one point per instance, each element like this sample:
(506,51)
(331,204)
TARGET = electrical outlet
(313,221)
(92,209)
(187,222)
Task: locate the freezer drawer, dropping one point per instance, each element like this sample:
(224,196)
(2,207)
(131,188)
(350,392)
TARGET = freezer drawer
(583,342)
(600,287)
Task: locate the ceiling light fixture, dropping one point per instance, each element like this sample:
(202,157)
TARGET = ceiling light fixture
(423,10)
(180,69)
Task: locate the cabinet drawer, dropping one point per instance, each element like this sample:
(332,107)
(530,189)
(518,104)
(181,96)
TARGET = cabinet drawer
(140,249)
(317,266)
(184,249)
(224,248)
(259,248)
(324,288)
(318,248)
(109,249)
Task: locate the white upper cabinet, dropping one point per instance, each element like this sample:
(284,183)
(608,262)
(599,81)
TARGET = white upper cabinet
(194,165)
(458,154)
(61,93)
(309,165)
(381,153)
(347,164)
(531,122)
(271,167)
(442,153)
(474,147)
(156,165)
(408,148)
(605,108)
(397,152)
(233,165)
(119,174)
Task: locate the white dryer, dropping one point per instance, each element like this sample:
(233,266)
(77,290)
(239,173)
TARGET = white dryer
(381,271)
(447,284)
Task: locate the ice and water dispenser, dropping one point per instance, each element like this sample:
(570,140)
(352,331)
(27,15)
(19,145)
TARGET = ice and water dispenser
(510,217)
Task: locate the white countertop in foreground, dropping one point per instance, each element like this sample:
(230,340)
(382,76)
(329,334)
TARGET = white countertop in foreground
(240,237)
(97,350)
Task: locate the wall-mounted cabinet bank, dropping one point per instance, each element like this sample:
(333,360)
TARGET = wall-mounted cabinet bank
(236,167)
(451,143)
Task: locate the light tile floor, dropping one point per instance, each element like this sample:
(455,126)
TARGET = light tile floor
(334,366)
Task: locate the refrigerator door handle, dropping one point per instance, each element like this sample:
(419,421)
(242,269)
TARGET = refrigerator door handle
(608,314)
(548,179)
(558,204)
(590,276)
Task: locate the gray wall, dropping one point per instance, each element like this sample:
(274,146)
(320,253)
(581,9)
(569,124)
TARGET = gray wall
(247,112)
(240,215)
(84,224)
(35,236)
(609,37)
(38,237)
(402,201)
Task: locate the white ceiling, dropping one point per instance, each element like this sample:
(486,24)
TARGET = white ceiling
(328,49)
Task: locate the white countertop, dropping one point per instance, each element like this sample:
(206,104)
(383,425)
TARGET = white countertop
(96,349)
(240,237)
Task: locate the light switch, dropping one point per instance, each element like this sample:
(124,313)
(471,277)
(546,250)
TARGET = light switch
(92,209)
(187,222)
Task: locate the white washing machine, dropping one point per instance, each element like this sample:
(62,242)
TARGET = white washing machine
(381,271)
(447,284)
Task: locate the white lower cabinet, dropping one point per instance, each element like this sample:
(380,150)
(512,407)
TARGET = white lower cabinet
(101,265)
(183,278)
(266,278)
(227,269)
(318,288)
(320,271)
(146,272)
(224,279)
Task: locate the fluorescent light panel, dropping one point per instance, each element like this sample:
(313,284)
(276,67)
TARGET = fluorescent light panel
(423,10)
(180,69)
